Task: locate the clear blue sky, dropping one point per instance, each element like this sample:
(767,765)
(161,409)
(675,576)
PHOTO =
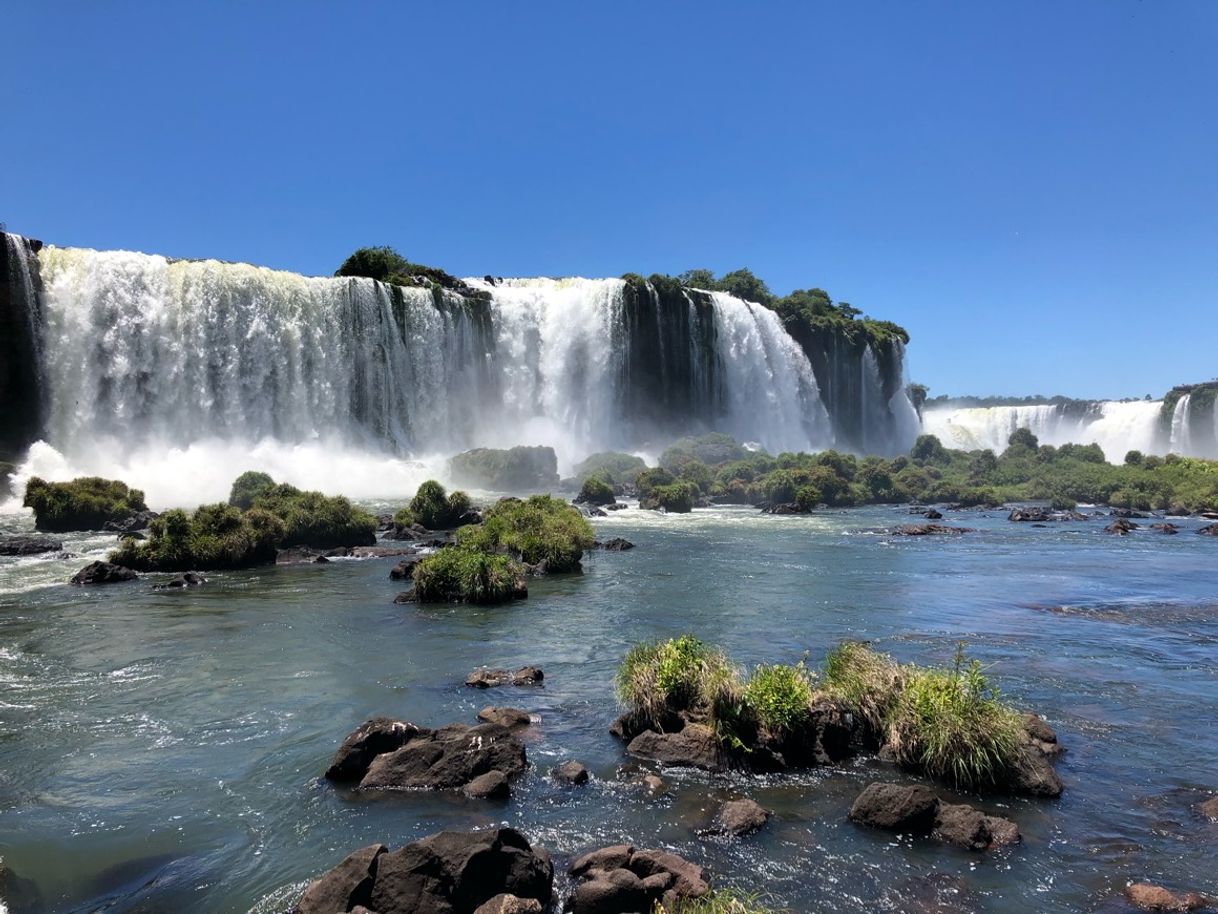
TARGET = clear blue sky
(1030,187)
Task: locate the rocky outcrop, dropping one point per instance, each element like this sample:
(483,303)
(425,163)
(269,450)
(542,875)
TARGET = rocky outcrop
(29,545)
(570,772)
(386,754)
(404,570)
(737,818)
(1121,527)
(1156,898)
(1033,515)
(511,718)
(928,530)
(103,573)
(485,678)
(694,746)
(447,873)
(621,880)
(518,469)
(915,810)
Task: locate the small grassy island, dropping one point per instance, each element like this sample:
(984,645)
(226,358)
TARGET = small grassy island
(88,503)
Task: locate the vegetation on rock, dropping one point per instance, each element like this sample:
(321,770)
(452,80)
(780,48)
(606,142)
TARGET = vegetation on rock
(213,537)
(539,531)
(614,467)
(595,491)
(434,508)
(516,469)
(464,574)
(87,503)
(385,264)
(721,901)
(248,486)
(661,678)
(317,520)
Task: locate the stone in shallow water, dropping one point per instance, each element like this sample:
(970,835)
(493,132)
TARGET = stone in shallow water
(1156,898)
(103,573)
(571,772)
(738,818)
(485,678)
(512,718)
(29,545)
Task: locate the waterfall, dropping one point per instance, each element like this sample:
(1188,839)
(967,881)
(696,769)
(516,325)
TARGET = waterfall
(1181,441)
(177,375)
(21,344)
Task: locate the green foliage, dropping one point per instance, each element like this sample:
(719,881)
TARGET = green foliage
(649,480)
(248,486)
(317,520)
(460,574)
(86,503)
(676,498)
(867,681)
(1133,459)
(929,449)
(720,901)
(1022,439)
(387,265)
(612,466)
(778,697)
(538,530)
(807,498)
(712,449)
(595,491)
(780,487)
(403,518)
(515,469)
(214,537)
(680,674)
(435,509)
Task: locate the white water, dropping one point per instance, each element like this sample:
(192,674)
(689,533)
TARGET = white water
(1116,426)
(177,376)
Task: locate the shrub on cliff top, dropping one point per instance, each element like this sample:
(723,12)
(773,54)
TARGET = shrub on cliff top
(86,503)
(248,486)
(540,529)
(460,574)
(214,537)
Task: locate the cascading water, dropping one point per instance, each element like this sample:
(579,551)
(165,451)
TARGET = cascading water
(21,344)
(1181,441)
(177,375)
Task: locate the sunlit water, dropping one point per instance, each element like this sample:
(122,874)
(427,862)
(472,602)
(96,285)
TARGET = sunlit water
(162,750)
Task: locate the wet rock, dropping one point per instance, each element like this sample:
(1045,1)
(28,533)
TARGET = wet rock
(1209,530)
(1032,774)
(182,582)
(301,555)
(1167,528)
(1156,898)
(448,873)
(928,530)
(571,772)
(654,784)
(896,807)
(1129,512)
(970,828)
(380,552)
(405,596)
(932,514)
(103,573)
(29,545)
(786,508)
(693,747)
(138,520)
(511,718)
(1121,527)
(1024,514)
(20,895)
(617,544)
(1209,809)
(510,904)
(490,786)
(739,818)
(446,759)
(620,879)
(404,570)
(616,506)
(486,678)
(372,738)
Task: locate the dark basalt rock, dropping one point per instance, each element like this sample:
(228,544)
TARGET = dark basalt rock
(928,530)
(570,772)
(1156,898)
(510,904)
(385,754)
(181,582)
(916,810)
(616,506)
(404,570)
(29,545)
(621,880)
(1121,527)
(447,873)
(103,573)
(738,818)
(490,786)
(300,555)
(1209,809)
(133,523)
(487,678)
(1023,514)
(1032,774)
(617,544)
(932,514)
(785,508)
(511,718)
(693,747)
(1209,530)
(1129,512)
(405,596)
(1167,528)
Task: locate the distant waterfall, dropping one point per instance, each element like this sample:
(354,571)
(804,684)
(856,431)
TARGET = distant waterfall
(1181,441)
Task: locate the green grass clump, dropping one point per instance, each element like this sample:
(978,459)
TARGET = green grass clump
(778,697)
(720,901)
(676,498)
(612,466)
(248,486)
(214,537)
(435,508)
(949,723)
(952,725)
(595,491)
(86,503)
(681,674)
(317,520)
(459,574)
(540,529)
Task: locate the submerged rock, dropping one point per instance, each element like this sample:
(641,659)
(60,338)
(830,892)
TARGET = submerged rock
(447,873)
(1209,809)
(181,582)
(915,810)
(29,545)
(738,818)
(1209,530)
(385,754)
(570,772)
(487,678)
(928,530)
(1168,528)
(300,555)
(621,880)
(1121,527)
(103,573)
(1156,898)
(617,544)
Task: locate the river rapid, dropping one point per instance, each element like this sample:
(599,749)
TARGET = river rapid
(163,750)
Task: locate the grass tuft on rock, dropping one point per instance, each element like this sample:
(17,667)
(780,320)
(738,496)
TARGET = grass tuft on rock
(720,901)
(660,678)
(866,680)
(595,491)
(215,537)
(317,520)
(87,503)
(248,486)
(539,531)
(778,696)
(434,508)
(460,574)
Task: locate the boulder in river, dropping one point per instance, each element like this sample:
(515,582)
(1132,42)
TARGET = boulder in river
(29,545)
(385,754)
(915,810)
(485,678)
(738,818)
(512,718)
(1165,527)
(928,530)
(182,582)
(1033,514)
(300,555)
(1209,809)
(621,879)
(1150,897)
(404,569)
(1209,530)
(570,772)
(447,873)
(103,573)
(616,544)
(695,746)
(1121,527)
